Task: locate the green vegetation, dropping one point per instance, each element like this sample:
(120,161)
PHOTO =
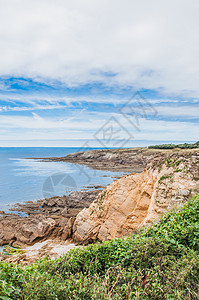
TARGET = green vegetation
(169,163)
(178,162)
(10,250)
(100,200)
(178,170)
(161,262)
(163,177)
(173,146)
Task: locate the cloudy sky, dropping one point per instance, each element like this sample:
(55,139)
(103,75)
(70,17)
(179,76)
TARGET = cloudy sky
(112,72)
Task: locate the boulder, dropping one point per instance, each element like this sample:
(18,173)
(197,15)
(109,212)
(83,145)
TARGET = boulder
(16,230)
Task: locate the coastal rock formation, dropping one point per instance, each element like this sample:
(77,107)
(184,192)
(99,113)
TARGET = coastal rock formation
(51,248)
(124,160)
(67,206)
(48,218)
(136,200)
(19,231)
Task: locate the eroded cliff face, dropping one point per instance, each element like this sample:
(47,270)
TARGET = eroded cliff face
(136,200)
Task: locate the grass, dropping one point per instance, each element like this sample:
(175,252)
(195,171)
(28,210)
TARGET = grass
(161,262)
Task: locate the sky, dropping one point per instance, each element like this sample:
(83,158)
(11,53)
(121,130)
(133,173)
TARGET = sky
(98,73)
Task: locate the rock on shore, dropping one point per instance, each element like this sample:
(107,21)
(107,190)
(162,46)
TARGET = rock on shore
(48,218)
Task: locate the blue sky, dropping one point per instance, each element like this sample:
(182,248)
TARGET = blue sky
(71,73)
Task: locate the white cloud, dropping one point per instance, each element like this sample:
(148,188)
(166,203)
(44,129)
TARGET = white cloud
(86,125)
(151,44)
(184,112)
(34,107)
(142,44)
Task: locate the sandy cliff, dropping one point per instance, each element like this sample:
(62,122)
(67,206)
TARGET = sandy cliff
(135,200)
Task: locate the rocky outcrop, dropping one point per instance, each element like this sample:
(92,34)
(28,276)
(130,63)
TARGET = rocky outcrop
(136,200)
(66,206)
(48,218)
(19,231)
(124,160)
(51,248)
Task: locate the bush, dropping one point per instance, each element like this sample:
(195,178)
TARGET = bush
(173,146)
(161,262)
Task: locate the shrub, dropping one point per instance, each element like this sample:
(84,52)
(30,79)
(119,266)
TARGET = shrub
(160,262)
(173,146)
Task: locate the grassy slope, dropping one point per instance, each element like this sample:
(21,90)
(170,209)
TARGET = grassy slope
(161,262)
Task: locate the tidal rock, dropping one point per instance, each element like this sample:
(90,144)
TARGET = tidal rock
(53,217)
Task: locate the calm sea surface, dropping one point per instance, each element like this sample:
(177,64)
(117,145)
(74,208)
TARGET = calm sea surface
(24,179)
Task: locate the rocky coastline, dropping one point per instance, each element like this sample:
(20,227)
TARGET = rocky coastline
(43,219)
(119,160)
(159,180)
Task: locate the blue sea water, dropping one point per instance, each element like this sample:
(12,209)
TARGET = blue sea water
(25,179)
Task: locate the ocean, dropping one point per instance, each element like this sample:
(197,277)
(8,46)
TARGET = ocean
(25,179)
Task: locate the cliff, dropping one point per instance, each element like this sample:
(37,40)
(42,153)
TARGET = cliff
(135,200)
